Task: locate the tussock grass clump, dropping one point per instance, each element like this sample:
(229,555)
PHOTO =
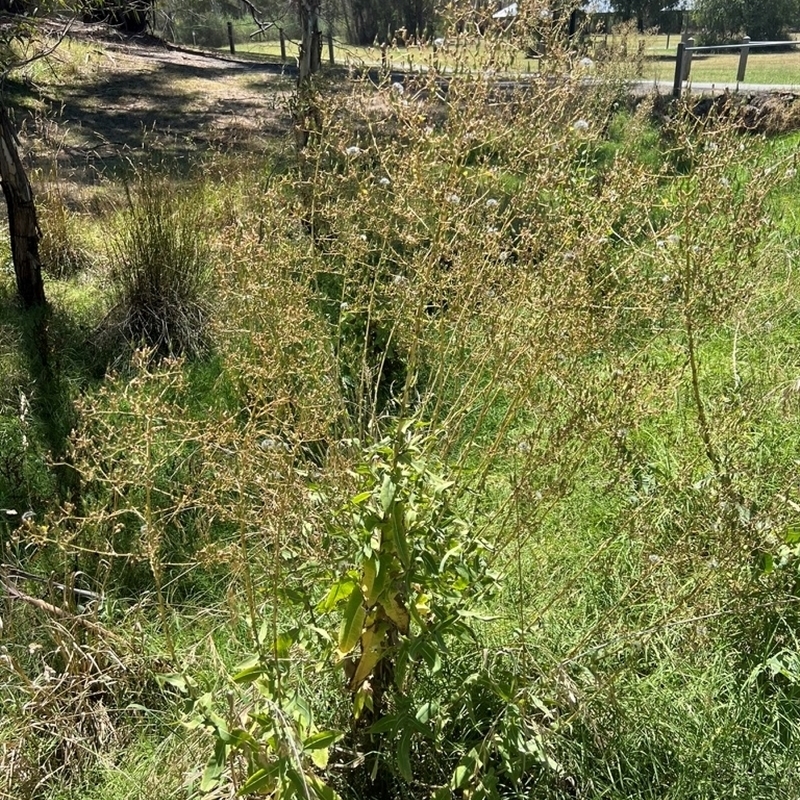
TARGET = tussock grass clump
(161,278)
(63,252)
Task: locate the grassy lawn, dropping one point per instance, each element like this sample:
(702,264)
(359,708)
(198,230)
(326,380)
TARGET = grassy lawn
(658,64)
(762,68)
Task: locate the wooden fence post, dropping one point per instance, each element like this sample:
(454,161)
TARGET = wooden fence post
(230,38)
(687,60)
(676,85)
(743,59)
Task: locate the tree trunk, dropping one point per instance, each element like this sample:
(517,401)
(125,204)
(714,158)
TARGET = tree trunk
(311,42)
(307,115)
(22,223)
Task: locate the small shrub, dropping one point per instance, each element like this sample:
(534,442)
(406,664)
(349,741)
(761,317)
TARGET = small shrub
(161,279)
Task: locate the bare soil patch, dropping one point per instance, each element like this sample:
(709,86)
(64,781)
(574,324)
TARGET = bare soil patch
(103,99)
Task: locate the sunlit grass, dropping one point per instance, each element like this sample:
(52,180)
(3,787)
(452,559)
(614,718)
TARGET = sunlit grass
(658,59)
(780,69)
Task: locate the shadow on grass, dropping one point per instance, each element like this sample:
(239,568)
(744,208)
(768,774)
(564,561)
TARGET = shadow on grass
(56,355)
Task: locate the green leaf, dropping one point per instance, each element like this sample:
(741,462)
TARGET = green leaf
(388,490)
(284,642)
(425,712)
(321,789)
(297,781)
(176,681)
(371,567)
(219,725)
(464,772)
(404,426)
(430,654)
(320,757)
(460,777)
(299,710)
(389,722)
(261,781)
(453,551)
(401,667)
(792,535)
(322,739)
(340,591)
(400,538)
(352,624)
(404,756)
(248,671)
(361,497)
(240,736)
(214,768)
(438,484)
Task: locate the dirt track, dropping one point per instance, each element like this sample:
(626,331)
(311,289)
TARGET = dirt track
(104,98)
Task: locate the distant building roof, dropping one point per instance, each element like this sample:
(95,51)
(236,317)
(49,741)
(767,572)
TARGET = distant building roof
(592,7)
(508,11)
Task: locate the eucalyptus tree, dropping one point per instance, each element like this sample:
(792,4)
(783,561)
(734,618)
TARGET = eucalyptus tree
(723,20)
(378,19)
(310,38)
(23,223)
(645,12)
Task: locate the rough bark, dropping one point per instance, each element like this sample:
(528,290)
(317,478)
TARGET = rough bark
(22,222)
(307,116)
(311,42)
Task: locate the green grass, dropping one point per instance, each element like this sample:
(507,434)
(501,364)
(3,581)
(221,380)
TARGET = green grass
(636,645)
(762,68)
(659,60)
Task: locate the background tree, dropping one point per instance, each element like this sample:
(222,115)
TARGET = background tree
(310,38)
(646,12)
(378,19)
(725,20)
(306,111)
